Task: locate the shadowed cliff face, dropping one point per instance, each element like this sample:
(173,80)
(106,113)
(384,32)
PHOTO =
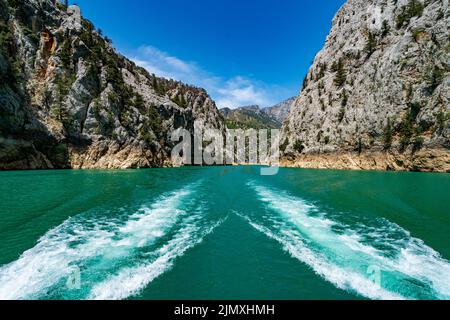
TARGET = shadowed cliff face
(380,86)
(69,100)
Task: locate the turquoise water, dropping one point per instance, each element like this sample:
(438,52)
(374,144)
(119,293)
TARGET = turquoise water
(224,233)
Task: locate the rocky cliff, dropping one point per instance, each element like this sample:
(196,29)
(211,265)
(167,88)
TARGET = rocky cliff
(377,94)
(281,110)
(69,100)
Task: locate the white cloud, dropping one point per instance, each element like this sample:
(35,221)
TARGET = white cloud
(240,92)
(232,92)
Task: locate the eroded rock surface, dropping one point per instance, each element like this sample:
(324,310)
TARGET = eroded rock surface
(380,86)
(69,100)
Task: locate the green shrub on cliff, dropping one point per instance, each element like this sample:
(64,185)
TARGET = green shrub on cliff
(65,53)
(385,28)
(414,8)
(284,145)
(152,124)
(58,110)
(434,77)
(407,128)
(321,72)
(155,121)
(344,98)
(298,146)
(441,120)
(359,146)
(6,38)
(12,74)
(138,102)
(417,144)
(371,44)
(32,36)
(180,100)
(341,75)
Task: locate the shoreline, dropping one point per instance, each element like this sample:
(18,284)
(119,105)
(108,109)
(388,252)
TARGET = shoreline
(431,160)
(427,160)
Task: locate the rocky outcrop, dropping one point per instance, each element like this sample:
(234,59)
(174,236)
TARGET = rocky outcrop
(281,110)
(69,100)
(377,94)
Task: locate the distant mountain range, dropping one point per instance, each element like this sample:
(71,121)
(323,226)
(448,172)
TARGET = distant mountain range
(281,111)
(255,117)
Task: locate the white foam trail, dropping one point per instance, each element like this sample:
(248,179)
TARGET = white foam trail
(340,277)
(130,281)
(425,264)
(78,239)
(412,258)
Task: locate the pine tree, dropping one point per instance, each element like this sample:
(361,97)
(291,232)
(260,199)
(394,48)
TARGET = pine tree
(341,75)
(370,44)
(385,28)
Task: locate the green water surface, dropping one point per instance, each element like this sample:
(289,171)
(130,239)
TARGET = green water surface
(224,233)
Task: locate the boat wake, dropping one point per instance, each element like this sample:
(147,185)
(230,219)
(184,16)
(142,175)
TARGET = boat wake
(116,255)
(114,258)
(131,280)
(377,260)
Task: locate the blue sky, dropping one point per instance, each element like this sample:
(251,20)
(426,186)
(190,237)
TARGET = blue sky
(242,52)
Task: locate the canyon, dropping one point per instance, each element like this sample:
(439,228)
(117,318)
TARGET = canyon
(375,98)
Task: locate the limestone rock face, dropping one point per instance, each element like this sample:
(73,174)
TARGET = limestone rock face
(69,100)
(281,110)
(380,84)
